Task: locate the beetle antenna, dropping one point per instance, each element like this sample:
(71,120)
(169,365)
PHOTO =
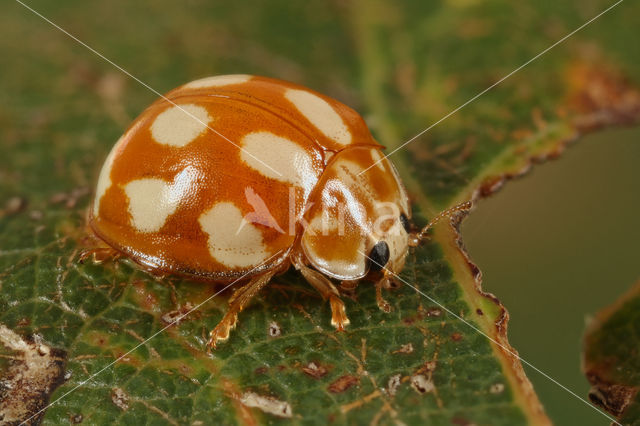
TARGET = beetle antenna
(443,214)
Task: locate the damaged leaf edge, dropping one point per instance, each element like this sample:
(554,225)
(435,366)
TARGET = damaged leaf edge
(612,397)
(467,273)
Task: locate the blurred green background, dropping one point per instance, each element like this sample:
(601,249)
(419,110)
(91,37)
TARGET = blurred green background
(556,246)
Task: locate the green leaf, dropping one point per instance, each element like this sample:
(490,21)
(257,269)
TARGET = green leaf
(403,65)
(611,359)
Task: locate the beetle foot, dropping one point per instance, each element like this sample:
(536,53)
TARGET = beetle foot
(222,330)
(382,303)
(339,317)
(237,302)
(385,282)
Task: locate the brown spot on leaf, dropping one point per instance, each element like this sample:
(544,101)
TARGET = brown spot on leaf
(394,384)
(496,388)
(98,339)
(601,95)
(409,320)
(429,366)
(267,404)
(145,298)
(13,206)
(274,329)
(456,337)
(24,322)
(120,398)
(315,370)
(178,315)
(343,383)
(35,372)
(421,384)
(404,349)
(434,312)
(429,313)
(291,350)
(612,397)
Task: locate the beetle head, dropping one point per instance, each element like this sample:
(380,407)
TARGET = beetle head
(359,219)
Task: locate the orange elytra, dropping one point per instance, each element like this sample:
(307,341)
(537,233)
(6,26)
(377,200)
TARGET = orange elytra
(240,177)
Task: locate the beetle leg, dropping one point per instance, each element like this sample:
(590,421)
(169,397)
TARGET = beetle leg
(329,291)
(237,302)
(382,304)
(339,317)
(99,255)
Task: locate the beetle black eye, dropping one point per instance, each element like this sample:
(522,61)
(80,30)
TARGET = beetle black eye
(405,222)
(379,256)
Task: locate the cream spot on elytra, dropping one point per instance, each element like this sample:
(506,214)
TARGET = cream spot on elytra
(152,201)
(377,159)
(232,241)
(180,125)
(104,180)
(320,114)
(217,81)
(149,204)
(294,164)
(349,178)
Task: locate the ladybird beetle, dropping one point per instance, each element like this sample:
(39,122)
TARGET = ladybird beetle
(240,176)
